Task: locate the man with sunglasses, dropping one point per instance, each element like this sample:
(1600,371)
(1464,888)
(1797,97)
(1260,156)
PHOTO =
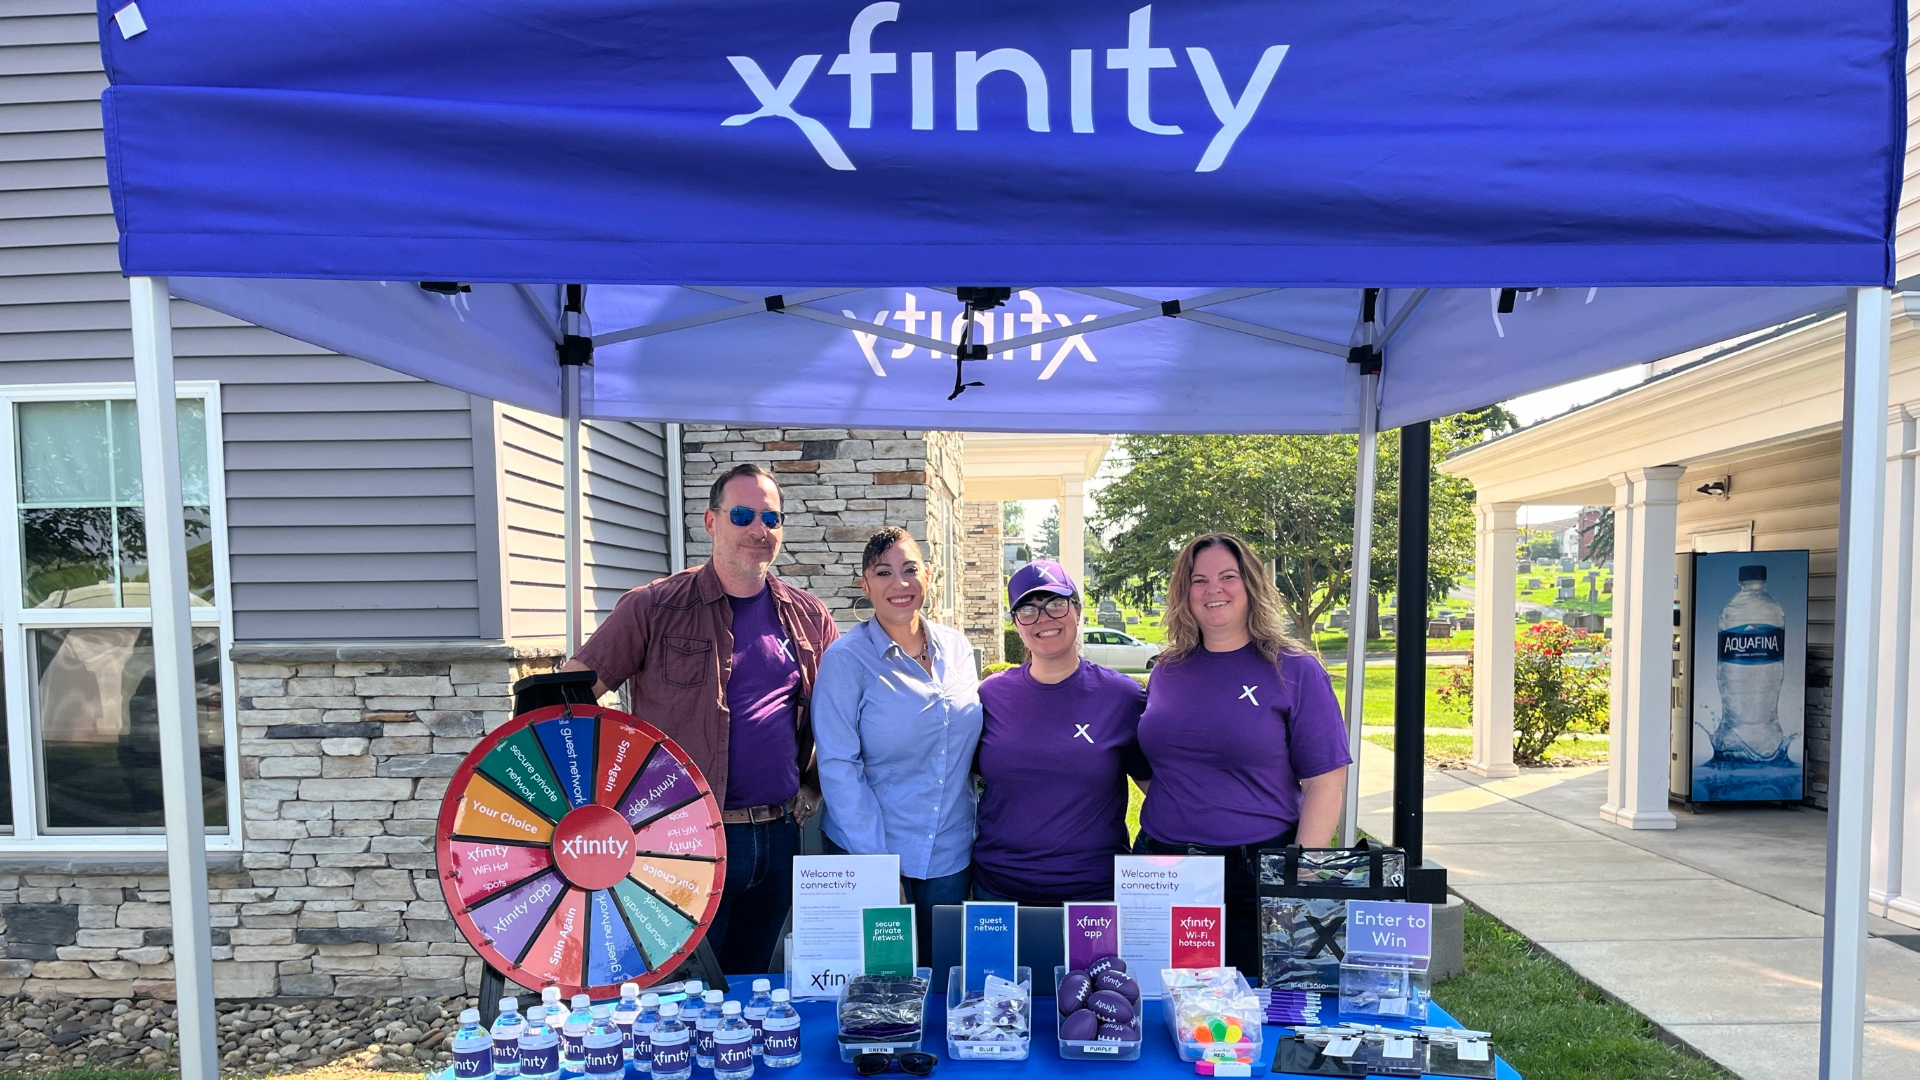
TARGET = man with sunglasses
(1057,743)
(722,658)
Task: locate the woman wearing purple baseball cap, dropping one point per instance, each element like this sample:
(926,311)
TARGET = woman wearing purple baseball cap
(1057,743)
(1246,739)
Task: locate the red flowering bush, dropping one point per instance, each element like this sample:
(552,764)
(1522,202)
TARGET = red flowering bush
(1560,684)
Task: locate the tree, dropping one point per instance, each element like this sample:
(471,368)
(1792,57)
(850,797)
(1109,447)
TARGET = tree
(1600,542)
(1013,518)
(1046,543)
(1290,496)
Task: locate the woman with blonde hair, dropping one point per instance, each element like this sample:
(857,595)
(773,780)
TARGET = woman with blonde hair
(1241,728)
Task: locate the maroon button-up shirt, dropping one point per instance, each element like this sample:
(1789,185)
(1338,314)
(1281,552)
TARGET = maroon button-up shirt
(672,639)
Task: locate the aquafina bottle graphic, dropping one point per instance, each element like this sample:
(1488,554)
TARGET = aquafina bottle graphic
(1752,665)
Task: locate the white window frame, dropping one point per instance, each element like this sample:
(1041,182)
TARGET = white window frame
(17,622)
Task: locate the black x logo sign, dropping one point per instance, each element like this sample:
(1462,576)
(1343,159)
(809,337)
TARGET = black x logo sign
(1323,935)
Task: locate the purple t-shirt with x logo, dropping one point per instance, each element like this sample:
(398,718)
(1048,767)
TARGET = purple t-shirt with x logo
(1054,759)
(1229,736)
(763,755)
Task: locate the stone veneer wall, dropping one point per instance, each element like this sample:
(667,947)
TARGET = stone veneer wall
(345,752)
(983,596)
(840,486)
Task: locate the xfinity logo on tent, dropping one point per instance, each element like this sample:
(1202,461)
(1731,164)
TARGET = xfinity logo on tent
(1139,59)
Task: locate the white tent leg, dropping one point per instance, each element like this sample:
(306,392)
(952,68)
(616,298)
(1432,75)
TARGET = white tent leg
(1863,479)
(1360,599)
(676,503)
(155,397)
(570,464)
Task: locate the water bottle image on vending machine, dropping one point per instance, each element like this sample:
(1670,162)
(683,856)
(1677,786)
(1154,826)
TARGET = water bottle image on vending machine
(1749,676)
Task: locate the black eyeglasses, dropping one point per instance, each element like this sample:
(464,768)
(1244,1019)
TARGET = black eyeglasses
(913,1063)
(1056,608)
(743,516)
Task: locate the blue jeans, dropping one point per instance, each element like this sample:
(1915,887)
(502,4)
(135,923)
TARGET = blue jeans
(759,890)
(924,894)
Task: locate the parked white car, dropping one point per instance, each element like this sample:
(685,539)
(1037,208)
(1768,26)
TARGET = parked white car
(1119,651)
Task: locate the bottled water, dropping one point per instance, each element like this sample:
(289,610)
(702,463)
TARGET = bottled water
(573,1035)
(472,1048)
(643,1024)
(704,1026)
(732,1045)
(602,1043)
(780,1033)
(539,1046)
(756,1011)
(624,1012)
(506,1039)
(1752,665)
(672,1046)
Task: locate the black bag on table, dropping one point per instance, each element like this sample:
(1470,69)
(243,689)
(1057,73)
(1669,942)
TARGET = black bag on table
(1303,923)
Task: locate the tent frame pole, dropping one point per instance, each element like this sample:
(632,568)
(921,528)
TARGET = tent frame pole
(1360,598)
(570,365)
(1863,483)
(1426,884)
(155,401)
(676,502)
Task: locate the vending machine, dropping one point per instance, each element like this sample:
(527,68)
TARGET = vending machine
(1742,685)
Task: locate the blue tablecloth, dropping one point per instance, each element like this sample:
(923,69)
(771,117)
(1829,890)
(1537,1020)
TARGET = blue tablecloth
(821,1051)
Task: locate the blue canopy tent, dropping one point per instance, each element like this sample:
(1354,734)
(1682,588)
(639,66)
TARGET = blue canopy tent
(1072,215)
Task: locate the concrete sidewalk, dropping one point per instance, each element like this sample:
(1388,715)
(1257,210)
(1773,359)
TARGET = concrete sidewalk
(1712,930)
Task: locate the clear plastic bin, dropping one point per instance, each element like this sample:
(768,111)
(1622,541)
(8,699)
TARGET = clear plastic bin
(1208,993)
(971,1050)
(851,1050)
(1093,1049)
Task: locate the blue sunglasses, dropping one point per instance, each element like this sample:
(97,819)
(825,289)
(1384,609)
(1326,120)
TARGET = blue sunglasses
(743,517)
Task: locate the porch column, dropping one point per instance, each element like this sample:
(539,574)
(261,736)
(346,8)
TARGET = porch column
(1894,860)
(1496,538)
(1647,652)
(1617,671)
(1073,529)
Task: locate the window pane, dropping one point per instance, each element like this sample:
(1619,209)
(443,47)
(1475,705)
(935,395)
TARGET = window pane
(99,734)
(68,557)
(64,452)
(198,535)
(192,414)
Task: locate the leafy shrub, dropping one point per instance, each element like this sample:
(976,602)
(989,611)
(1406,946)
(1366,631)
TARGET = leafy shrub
(995,669)
(1552,693)
(1013,648)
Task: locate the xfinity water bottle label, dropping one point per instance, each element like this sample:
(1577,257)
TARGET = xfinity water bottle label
(473,1064)
(1753,645)
(780,1041)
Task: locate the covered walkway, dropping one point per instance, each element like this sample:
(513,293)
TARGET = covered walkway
(1711,931)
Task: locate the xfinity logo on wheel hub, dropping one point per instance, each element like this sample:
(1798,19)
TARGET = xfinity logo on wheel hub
(593,847)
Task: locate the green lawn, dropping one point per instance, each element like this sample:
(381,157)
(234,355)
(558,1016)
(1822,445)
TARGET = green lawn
(1545,596)
(1551,1024)
(1570,749)
(1377,704)
(1333,644)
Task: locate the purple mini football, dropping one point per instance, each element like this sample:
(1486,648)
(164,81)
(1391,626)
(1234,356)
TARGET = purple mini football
(1074,990)
(1118,1033)
(1120,983)
(1080,1026)
(1105,964)
(1111,1007)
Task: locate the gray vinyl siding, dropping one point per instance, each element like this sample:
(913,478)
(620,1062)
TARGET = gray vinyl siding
(624,538)
(350,489)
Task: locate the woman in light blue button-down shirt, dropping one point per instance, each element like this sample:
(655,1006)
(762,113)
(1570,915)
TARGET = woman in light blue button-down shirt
(896,717)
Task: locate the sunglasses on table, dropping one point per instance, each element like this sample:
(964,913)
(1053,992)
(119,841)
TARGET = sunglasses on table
(1056,608)
(743,516)
(913,1063)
